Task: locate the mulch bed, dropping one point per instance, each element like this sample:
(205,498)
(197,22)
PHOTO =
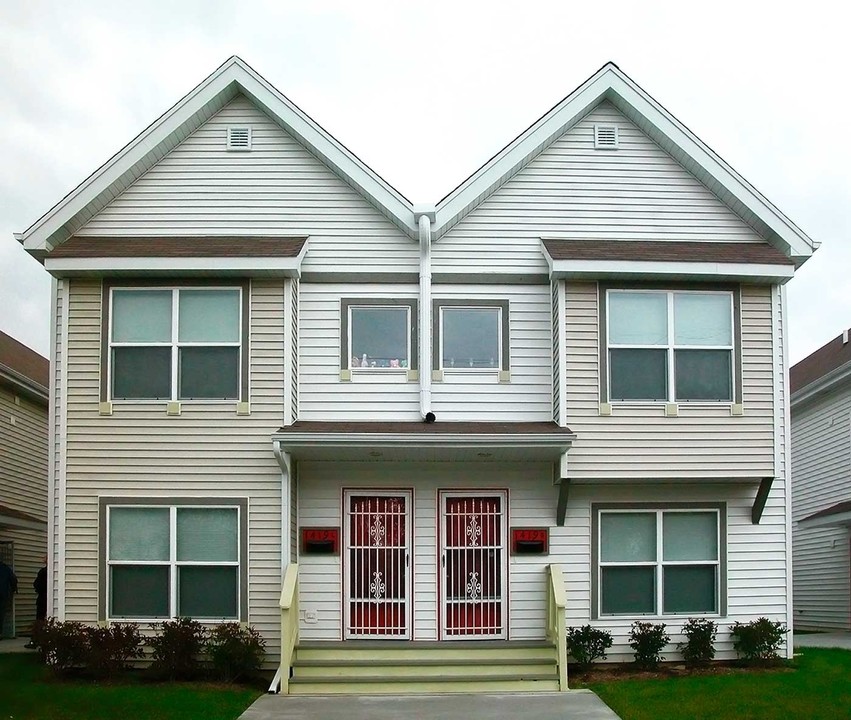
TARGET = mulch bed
(614,673)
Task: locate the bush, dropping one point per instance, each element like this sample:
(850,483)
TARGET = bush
(699,648)
(177,649)
(62,645)
(759,640)
(647,640)
(109,650)
(587,644)
(236,652)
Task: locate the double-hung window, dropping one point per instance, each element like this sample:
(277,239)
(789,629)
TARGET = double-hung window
(658,561)
(675,346)
(176,343)
(166,561)
(472,335)
(378,334)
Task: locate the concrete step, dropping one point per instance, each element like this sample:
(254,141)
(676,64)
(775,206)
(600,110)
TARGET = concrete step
(398,651)
(485,668)
(421,685)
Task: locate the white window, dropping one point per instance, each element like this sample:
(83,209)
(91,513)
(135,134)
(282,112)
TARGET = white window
(671,346)
(175,343)
(379,336)
(658,562)
(170,561)
(470,337)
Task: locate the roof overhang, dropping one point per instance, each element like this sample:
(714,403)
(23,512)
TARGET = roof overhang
(15,518)
(820,386)
(418,441)
(23,385)
(838,515)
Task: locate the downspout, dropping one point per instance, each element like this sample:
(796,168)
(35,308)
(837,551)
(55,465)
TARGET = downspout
(425,218)
(285,461)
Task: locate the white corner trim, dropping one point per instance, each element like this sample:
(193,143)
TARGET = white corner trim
(289,414)
(787,472)
(52,460)
(64,287)
(561,303)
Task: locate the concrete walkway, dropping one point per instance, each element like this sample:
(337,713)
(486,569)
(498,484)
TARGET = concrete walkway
(824,640)
(573,705)
(14,645)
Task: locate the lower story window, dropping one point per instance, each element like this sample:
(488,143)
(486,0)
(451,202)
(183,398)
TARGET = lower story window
(659,562)
(167,561)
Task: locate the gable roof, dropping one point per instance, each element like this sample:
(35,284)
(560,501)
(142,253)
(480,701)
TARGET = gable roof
(152,144)
(822,369)
(24,369)
(610,83)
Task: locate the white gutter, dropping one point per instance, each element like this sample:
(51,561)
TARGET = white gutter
(285,442)
(285,462)
(425,219)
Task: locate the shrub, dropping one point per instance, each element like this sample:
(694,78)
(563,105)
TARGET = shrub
(587,644)
(62,645)
(699,648)
(110,649)
(759,640)
(236,652)
(176,650)
(647,640)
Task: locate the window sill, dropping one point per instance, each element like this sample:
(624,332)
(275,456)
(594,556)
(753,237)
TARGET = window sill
(379,375)
(671,409)
(474,375)
(173,407)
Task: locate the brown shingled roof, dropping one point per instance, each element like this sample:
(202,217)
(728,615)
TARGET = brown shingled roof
(837,509)
(26,363)
(422,428)
(179,247)
(665,251)
(829,357)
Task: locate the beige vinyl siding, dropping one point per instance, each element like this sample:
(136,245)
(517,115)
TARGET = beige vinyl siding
(571,190)
(278,188)
(479,395)
(368,396)
(821,477)
(23,473)
(207,451)
(637,441)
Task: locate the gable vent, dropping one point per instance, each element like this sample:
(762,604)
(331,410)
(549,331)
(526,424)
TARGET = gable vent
(606,137)
(239,138)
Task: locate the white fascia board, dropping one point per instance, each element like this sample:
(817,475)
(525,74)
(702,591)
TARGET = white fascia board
(330,440)
(621,89)
(822,385)
(22,384)
(593,269)
(834,520)
(66,267)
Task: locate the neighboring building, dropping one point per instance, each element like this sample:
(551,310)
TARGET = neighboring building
(821,487)
(24,382)
(566,380)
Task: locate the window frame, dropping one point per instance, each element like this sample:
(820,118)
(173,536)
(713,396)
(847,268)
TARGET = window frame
(106,504)
(346,306)
(503,333)
(671,290)
(107,344)
(659,564)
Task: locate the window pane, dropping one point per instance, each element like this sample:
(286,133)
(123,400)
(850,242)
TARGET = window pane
(209,372)
(207,592)
(689,588)
(690,536)
(703,319)
(470,337)
(139,591)
(638,318)
(207,535)
(138,533)
(704,374)
(141,315)
(628,537)
(638,374)
(208,316)
(141,373)
(379,337)
(627,590)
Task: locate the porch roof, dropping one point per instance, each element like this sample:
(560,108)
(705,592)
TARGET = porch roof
(461,441)
(836,515)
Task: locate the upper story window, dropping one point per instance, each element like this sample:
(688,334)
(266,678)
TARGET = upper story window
(378,334)
(176,343)
(472,335)
(674,346)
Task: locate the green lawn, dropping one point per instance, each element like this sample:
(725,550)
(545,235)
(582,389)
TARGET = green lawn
(819,689)
(28,690)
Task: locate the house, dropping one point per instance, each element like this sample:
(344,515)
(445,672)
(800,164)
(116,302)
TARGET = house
(287,396)
(821,486)
(24,382)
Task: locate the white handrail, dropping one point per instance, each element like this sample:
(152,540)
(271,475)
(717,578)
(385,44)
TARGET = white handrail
(556,621)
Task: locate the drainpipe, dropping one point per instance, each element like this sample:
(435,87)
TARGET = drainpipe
(285,461)
(425,217)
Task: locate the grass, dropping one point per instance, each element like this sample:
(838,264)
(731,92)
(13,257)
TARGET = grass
(817,689)
(29,691)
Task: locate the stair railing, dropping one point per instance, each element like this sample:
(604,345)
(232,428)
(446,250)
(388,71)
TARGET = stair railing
(556,621)
(289,626)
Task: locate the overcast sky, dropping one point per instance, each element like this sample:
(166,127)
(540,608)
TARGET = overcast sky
(426,92)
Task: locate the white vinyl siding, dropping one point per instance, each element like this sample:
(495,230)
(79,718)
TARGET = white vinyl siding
(572,190)
(279,188)
(637,440)
(206,451)
(821,477)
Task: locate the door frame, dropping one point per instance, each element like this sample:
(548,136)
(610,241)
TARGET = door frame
(442,495)
(408,494)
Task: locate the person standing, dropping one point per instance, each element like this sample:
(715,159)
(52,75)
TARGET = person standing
(8,587)
(40,587)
